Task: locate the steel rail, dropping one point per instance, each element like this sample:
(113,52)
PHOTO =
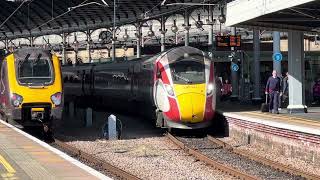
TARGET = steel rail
(198,155)
(91,159)
(263,160)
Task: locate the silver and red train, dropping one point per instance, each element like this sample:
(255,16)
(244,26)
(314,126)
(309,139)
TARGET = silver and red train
(176,87)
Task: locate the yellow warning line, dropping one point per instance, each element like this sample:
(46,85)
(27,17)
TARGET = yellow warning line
(285,118)
(6,165)
(8,176)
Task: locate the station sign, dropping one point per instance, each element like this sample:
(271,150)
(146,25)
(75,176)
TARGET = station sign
(277,57)
(234,67)
(228,41)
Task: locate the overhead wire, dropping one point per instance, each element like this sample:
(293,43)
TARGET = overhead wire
(68,11)
(24,1)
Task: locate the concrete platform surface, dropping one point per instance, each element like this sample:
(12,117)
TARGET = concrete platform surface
(308,123)
(22,156)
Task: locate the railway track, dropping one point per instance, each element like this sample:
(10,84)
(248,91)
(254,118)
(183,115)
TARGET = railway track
(263,160)
(242,165)
(227,169)
(104,166)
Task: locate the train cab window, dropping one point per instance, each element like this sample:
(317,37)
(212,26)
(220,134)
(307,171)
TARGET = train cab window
(188,72)
(35,71)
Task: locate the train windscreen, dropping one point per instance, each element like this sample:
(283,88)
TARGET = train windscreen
(35,71)
(188,71)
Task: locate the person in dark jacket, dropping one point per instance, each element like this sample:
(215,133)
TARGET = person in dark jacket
(273,89)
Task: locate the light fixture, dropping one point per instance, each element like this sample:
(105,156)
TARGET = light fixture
(150,32)
(199,23)
(125,36)
(174,28)
(125,48)
(222,17)
(76,43)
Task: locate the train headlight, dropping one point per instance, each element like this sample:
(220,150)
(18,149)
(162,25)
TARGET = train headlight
(169,90)
(210,89)
(16,100)
(56,98)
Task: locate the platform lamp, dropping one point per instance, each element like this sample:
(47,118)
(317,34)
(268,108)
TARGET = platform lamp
(150,32)
(222,17)
(12,46)
(126,36)
(75,46)
(89,47)
(175,29)
(199,23)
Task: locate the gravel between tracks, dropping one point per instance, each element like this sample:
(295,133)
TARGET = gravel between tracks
(277,157)
(229,158)
(150,158)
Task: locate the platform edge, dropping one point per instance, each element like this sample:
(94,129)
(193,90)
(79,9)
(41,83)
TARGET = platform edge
(59,153)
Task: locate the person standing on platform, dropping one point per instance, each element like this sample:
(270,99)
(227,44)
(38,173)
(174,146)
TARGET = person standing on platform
(226,90)
(273,89)
(316,92)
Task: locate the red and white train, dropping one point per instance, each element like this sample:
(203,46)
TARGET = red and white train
(176,87)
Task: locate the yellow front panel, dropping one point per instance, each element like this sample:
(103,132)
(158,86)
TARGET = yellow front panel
(191,100)
(34,95)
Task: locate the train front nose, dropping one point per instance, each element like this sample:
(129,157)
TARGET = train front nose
(191,107)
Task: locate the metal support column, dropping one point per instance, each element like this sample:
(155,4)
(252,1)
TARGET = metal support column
(234,74)
(31,41)
(296,72)
(64,43)
(6,44)
(187,28)
(139,36)
(256,57)
(75,49)
(163,33)
(276,49)
(210,40)
(114,32)
(89,41)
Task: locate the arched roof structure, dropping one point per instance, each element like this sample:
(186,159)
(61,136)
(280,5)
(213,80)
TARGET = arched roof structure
(43,17)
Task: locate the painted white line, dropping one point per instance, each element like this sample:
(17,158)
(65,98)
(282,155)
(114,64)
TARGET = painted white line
(282,125)
(60,153)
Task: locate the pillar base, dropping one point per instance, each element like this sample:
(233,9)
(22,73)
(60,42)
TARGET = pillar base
(297,109)
(256,101)
(234,98)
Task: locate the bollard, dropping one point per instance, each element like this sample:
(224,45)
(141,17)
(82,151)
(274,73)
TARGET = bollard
(88,117)
(71,109)
(112,127)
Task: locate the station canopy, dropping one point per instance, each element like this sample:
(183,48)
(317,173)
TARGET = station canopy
(42,17)
(300,15)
